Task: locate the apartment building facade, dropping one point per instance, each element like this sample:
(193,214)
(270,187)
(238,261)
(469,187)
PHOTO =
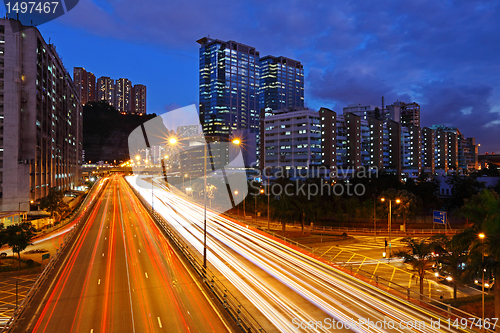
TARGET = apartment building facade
(41,118)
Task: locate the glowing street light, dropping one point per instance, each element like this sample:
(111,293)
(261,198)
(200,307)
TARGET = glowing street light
(481,237)
(390,222)
(174,141)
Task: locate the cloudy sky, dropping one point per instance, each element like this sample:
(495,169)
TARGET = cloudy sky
(444,55)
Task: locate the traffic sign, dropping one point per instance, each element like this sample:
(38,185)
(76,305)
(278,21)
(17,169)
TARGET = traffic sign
(45,256)
(439,217)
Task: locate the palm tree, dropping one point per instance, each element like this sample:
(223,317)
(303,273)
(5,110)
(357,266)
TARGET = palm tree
(484,211)
(455,253)
(419,255)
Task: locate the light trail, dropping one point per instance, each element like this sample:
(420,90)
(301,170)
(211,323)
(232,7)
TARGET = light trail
(300,286)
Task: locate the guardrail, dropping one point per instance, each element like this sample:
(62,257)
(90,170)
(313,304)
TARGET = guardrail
(50,266)
(234,308)
(394,231)
(380,231)
(409,295)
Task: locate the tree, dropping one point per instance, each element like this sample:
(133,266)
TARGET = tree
(54,203)
(455,253)
(19,236)
(419,255)
(462,189)
(3,236)
(407,205)
(484,211)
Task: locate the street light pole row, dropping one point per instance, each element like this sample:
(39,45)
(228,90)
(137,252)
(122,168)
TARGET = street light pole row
(174,141)
(390,223)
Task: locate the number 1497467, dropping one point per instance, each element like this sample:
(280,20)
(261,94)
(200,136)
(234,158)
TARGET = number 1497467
(32,7)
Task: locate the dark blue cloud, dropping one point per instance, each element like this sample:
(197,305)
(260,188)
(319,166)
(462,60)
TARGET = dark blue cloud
(441,54)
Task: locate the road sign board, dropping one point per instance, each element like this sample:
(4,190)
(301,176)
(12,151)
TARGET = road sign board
(45,256)
(439,217)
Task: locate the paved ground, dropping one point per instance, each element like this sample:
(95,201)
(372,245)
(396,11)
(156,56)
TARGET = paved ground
(8,294)
(364,256)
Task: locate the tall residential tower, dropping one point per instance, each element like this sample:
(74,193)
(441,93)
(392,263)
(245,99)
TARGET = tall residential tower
(281,83)
(40,119)
(85,84)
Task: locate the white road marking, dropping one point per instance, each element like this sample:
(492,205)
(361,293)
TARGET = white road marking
(103,254)
(139,250)
(92,330)
(105,238)
(159,322)
(99,282)
(146,275)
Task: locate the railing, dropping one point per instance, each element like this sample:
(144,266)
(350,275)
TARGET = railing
(235,309)
(394,231)
(68,238)
(409,232)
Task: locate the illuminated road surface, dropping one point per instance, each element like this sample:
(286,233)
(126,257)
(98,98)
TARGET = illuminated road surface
(287,287)
(122,276)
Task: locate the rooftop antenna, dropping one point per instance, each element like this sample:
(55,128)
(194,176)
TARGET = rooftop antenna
(382,102)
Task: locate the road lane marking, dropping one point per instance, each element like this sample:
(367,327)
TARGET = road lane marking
(105,238)
(103,254)
(126,264)
(139,250)
(99,282)
(159,322)
(92,330)
(135,235)
(146,275)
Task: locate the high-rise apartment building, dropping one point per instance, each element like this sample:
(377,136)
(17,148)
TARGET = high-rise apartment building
(363,111)
(40,119)
(404,113)
(281,83)
(85,84)
(139,99)
(123,95)
(229,82)
(291,139)
(106,90)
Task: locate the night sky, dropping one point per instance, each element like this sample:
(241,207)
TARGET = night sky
(444,55)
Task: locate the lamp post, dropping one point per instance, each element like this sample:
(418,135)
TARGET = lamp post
(173,141)
(390,223)
(261,191)
(481,237)
(374,219)
(268,194)
(236,194)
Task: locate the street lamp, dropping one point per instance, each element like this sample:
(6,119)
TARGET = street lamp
(174,141)
(481,237)
(261,191)
(390,222)
(374,219)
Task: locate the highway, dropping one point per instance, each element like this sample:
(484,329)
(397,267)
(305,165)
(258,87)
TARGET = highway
(291,290)
(121,275)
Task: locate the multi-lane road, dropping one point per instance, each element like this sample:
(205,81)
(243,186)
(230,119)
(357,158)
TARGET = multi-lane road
(291,291)
(121,275)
